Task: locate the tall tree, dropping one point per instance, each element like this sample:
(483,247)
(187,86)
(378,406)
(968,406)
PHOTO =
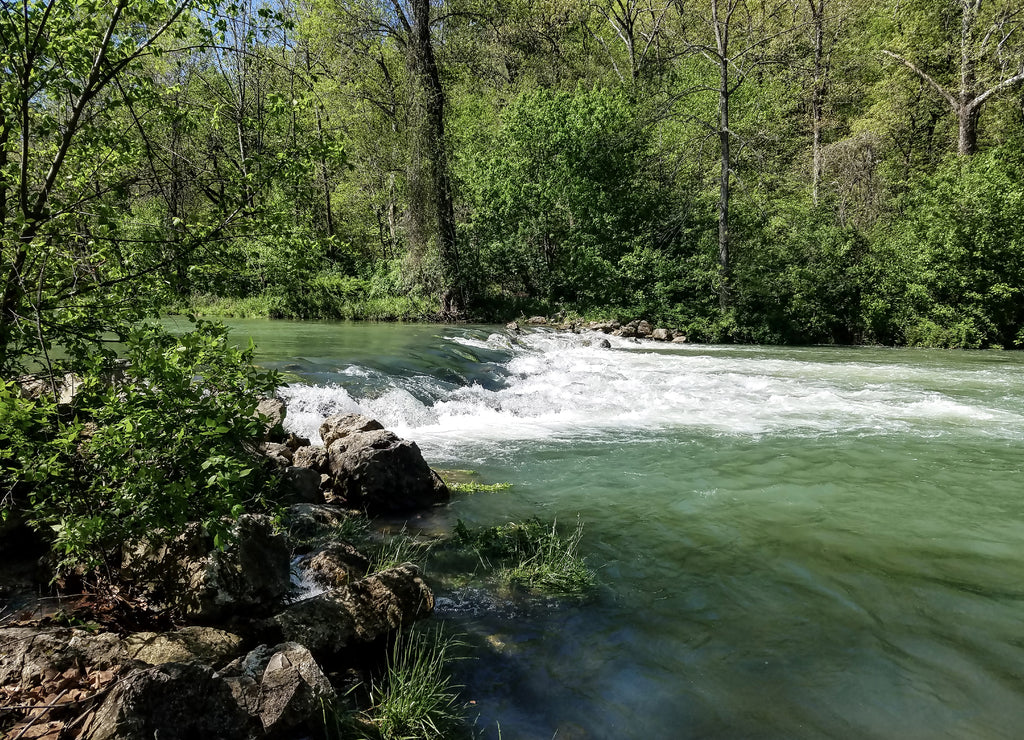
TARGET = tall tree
(990,63)
(740,31)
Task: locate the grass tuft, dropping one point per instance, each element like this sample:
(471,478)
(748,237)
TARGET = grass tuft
(530,555)
(417,698)
(555,568)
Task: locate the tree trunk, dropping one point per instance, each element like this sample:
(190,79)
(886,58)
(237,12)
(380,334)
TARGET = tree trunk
(818,94)
(437,212)
(967,117)
(722,44)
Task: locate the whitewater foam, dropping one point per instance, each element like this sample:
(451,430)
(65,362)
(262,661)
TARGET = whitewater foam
(564,386)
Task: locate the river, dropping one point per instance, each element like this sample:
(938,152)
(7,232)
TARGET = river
(789,542)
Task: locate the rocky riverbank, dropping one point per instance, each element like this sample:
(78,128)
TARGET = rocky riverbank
(235,648)
(637,328)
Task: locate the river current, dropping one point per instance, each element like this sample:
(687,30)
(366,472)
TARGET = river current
(789,542)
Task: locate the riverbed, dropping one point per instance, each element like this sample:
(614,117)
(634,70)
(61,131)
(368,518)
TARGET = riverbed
(789,542)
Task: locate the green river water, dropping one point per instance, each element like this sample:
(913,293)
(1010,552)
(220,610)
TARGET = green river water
(790,542)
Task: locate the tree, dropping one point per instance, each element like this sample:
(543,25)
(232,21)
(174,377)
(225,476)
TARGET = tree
(68,69)
(750,26)
(992,40)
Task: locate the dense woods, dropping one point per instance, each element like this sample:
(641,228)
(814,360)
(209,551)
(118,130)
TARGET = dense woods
(746,170)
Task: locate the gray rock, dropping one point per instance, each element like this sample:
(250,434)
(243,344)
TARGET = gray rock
(626,331)
(603,344)
(537,321)
(661,335)
(359,613)
(679,339)
(644,329)
(29,653)
(341,425)
(249,576)
(307,519)
(274,410)
(336,565)
(301,485)
(513,326)
(173,701)
(379,473)
(207,644)
(280,453)
(282,687)
(314,457)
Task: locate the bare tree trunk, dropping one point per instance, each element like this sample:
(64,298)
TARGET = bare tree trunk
(818,94)
(721,28)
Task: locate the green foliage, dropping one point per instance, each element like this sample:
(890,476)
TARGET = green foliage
(950,271)
(560,195)
(165,439)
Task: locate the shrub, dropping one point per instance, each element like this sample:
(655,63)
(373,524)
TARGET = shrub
(166,439)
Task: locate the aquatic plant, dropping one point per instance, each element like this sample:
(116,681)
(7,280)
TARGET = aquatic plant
(530,554)
(555,568)
(462,481)
(399,548)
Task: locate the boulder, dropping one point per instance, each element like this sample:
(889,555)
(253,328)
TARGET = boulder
(313,457)
(301,485)
(644,329)
(537,321)
(379,473)
(294,442)
(29,654)
(603,344)
(173,701)
(274,409)
(359,613)
(679,339)
(341,425)
(280,453)
(335,565)
(661,335)
(207,644)
(65,386)
(303,520)
(626,331)
(249,576)
(513,326)
(282,687)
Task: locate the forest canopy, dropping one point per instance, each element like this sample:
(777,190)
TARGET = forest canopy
(803,171)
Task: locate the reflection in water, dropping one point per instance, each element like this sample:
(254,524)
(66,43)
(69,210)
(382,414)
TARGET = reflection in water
(790,542)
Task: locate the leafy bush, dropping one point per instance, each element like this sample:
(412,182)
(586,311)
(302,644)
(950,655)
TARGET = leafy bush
(166,439)
(950,272)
